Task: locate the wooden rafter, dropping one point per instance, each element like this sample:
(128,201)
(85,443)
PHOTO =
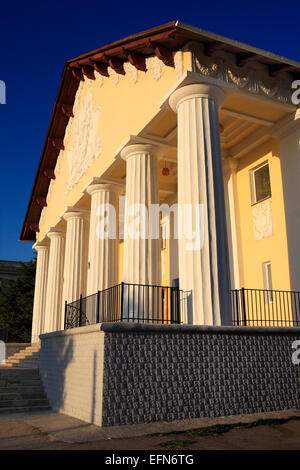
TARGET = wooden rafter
(137,60)
(57,143)
(49,173)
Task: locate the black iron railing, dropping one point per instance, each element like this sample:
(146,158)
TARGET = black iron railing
(126,303)
(259,307)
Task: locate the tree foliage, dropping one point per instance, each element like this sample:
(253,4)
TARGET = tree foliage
(16,304)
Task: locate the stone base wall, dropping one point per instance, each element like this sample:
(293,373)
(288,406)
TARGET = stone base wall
(71,368)
(148,373)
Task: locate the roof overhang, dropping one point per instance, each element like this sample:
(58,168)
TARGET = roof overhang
(162,41)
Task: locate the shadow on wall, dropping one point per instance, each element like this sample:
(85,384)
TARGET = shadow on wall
(69,371)
(94,388)
(55,357)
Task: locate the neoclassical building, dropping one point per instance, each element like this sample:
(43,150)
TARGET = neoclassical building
(170,116)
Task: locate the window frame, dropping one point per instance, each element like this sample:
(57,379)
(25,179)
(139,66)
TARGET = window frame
(252,172)
(268,281)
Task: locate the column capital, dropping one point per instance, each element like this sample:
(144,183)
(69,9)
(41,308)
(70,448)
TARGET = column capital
(136,149)
(39,246)
(230,164)
(75,213)
(99,186)
(55,232)
(196,90)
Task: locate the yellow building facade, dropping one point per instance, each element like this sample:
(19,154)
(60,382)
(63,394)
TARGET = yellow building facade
(178,117)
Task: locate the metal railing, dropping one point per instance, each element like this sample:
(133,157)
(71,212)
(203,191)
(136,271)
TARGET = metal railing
(126,303)
(259,307)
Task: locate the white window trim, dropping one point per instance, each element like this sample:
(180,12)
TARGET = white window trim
(267,280)
(252,183)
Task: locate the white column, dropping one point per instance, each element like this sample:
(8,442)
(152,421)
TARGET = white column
(76,250)
(289,140)
(203,272)
(230,166)
(40,290)
(142,253)
(103,243)
(54,313)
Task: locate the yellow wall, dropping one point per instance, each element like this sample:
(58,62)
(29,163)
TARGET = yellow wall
(125,108)
(273,248)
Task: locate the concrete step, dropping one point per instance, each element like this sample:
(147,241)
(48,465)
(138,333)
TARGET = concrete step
(21,390)
(29,402)
(18,373)
(23,409)
(23,355)
(28,385)
(23,395)
(25,365)
(25,358)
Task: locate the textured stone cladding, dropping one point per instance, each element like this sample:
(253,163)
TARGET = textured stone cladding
(152,376)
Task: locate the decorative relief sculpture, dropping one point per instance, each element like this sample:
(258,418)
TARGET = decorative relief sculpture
(86,145)
(262,220)
(41,221)
(156,67)
(49,191)
(252,75)
(59,158)
(115,76)
(134,73)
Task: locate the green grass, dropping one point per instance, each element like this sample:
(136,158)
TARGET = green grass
(177,443)
(39,430)
(218,429)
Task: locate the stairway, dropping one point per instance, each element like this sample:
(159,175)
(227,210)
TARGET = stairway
(26,358)
(21,390)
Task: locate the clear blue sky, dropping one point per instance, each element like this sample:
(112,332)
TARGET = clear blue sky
(37,37)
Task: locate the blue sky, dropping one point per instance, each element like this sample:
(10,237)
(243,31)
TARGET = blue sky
(37,37)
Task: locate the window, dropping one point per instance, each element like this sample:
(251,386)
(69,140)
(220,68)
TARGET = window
(267,279)
(260,183)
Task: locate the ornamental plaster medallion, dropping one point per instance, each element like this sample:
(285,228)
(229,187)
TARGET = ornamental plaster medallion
(262,220)
(86,145)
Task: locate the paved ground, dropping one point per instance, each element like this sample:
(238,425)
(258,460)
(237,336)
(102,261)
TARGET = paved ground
(48,430)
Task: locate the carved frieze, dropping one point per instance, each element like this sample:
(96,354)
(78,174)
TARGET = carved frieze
(252,76)
(86,144)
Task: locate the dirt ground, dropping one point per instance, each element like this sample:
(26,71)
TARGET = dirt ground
(18,435)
